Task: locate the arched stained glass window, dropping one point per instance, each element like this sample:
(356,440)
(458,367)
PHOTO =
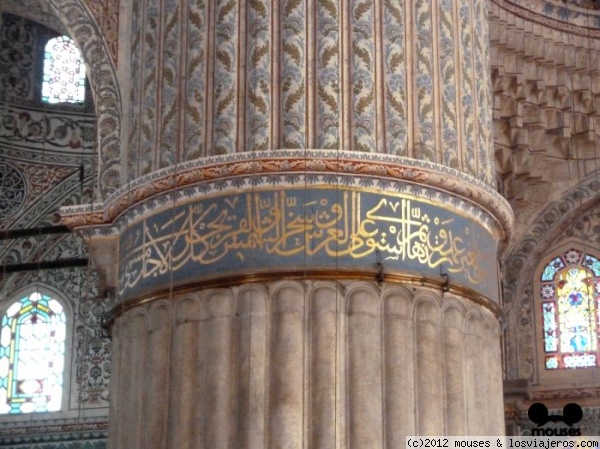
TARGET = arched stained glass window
(32,355)
(570,292)
(64,72)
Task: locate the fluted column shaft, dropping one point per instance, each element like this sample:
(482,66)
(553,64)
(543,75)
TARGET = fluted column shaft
(315,364)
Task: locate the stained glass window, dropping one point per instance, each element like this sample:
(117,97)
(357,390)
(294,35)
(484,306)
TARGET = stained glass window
(64,72)
(570,294)
(32,355)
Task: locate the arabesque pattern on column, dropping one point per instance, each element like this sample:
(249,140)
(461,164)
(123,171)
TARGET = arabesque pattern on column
(260,75)
(293,40)
(226,83)
(272,364)
(328,77)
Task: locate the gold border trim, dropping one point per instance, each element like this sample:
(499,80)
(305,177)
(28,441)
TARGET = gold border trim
(356,275)
(493,231)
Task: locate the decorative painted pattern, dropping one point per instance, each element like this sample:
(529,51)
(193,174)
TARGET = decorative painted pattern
(34,10)
(106,13)
(293,70)
(47,131)
(362,78)
(468,90)
(300,73)
(195,90)
(424,81)
(43,178)
(13,191)
(259,88)
(225,80)
(150,120)
(394,60)
(135,67)
(448,84)
(17,57)
(92,346)
(60,186)
(170,37)
(329,83)
(485,126)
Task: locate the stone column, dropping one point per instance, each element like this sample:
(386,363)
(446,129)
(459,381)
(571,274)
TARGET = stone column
(306,250)
(333,389)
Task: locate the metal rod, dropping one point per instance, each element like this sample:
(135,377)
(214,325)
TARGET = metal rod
(44,230)
(44,265)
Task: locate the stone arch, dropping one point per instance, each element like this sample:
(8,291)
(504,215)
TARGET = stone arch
(518,288)
(84,30)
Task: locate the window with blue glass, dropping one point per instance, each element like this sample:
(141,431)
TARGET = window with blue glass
(64,72)
(570,293)
(32,355)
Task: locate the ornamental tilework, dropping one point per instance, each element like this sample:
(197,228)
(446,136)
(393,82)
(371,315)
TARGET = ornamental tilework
(106,13)
(447,28)
(362,76)
(259,81)
(47,131)
(17,57)
(467,90)
(425,138)
(194,135)
(169,105)
(135,74)
(484,94)
(225,127)
(14,190)
(395,86)
(328,74)
(293,69)
(150,80)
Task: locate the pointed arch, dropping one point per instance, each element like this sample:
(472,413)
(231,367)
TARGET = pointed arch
(33,331)
(569,299)
(81,25)
(64,72)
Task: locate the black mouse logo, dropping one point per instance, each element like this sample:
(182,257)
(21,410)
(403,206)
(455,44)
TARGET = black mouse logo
(572,413)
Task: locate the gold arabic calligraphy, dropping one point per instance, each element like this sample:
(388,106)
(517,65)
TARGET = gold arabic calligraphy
(286,224)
